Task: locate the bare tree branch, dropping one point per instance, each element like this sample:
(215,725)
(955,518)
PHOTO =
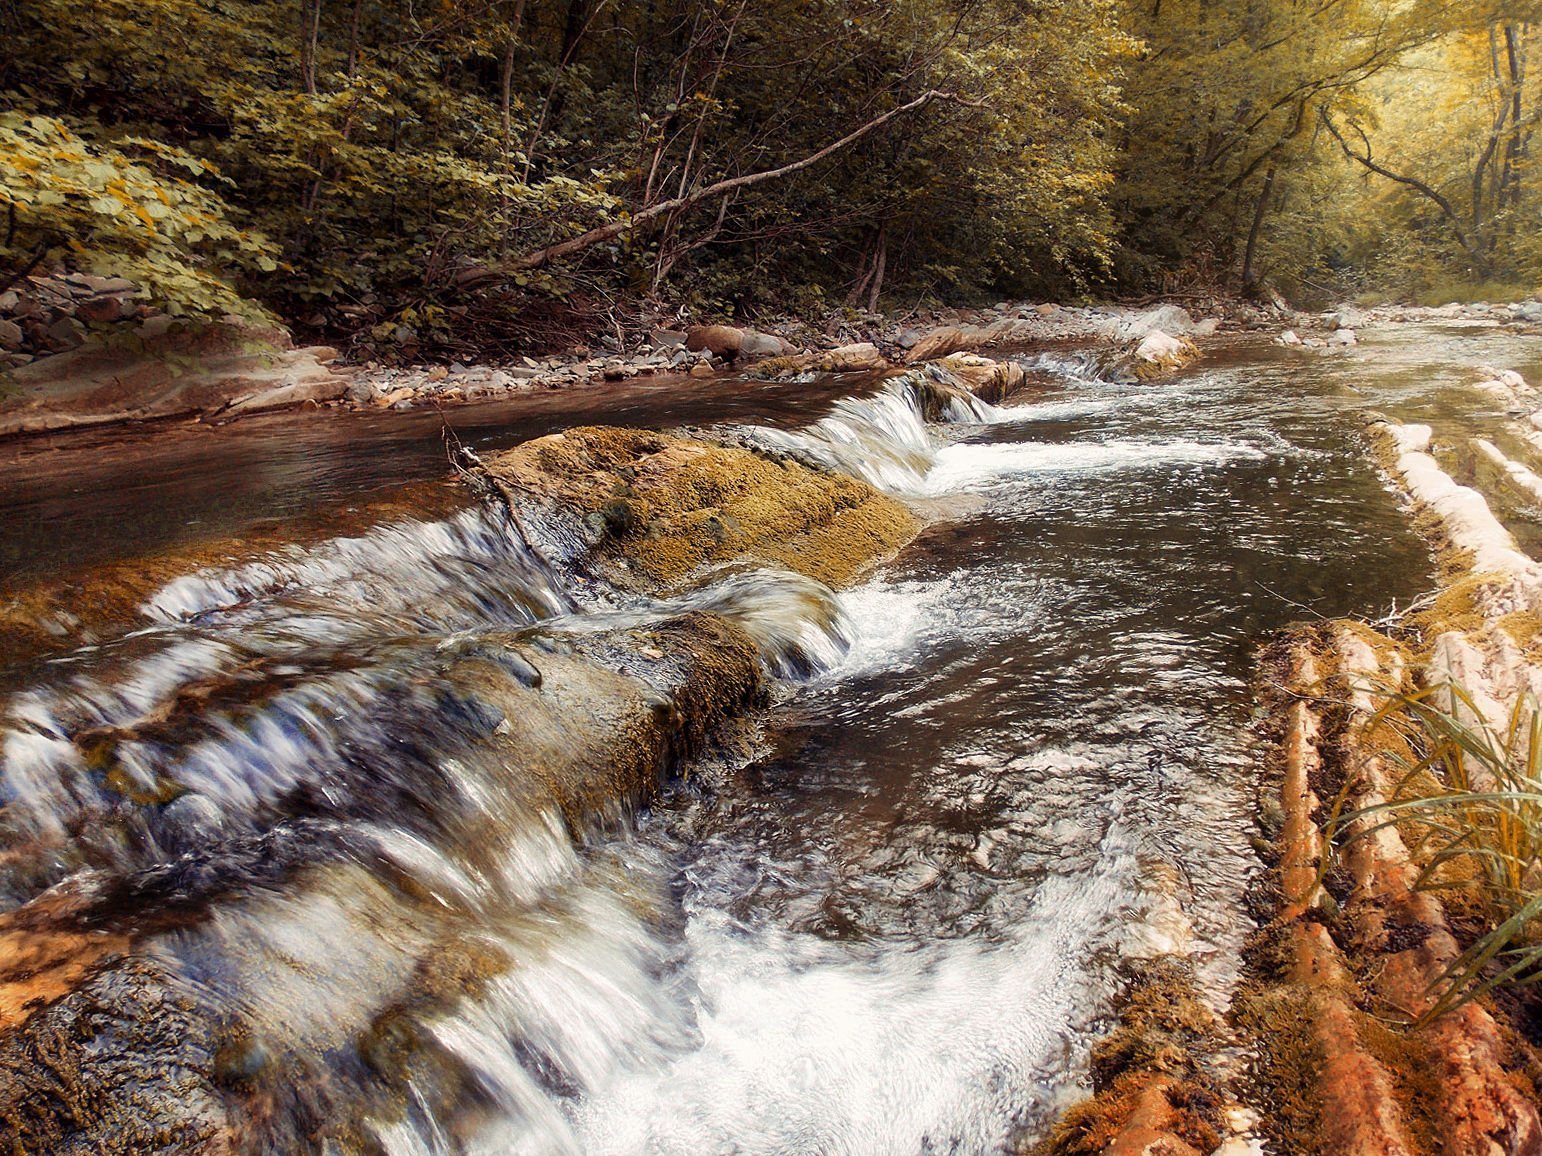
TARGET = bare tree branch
(721,188)
(1431,194)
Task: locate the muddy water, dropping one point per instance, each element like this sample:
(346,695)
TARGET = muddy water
(1015,756)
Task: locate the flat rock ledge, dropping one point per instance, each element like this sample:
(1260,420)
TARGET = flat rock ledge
(162,371)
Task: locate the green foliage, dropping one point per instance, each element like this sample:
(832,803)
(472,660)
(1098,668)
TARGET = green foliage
(385,157)
(388,149)
(134,209)
(1474,795)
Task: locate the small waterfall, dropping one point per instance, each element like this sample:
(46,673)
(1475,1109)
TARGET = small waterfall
(883,439)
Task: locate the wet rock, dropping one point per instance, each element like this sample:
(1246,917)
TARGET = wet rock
(988,380)
(1160,353)
(827,526)
(1289,337)
(718,340)
(1343,337)
(850,359)
(702,369)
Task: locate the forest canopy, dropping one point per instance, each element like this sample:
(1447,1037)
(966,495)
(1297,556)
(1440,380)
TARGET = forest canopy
(357,163)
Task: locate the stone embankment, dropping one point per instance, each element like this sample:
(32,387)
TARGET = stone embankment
(1355,1053)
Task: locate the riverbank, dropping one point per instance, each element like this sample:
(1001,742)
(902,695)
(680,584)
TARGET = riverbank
(78,353)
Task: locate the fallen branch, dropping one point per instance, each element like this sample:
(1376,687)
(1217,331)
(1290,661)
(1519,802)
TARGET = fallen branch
(721,188)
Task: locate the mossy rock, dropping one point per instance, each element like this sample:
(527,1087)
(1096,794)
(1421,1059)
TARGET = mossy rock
(668,506)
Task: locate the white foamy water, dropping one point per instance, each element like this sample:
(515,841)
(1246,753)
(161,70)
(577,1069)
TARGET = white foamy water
(969,465)
(813,1046)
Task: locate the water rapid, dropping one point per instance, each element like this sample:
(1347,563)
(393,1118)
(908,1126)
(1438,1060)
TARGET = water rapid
(312,795)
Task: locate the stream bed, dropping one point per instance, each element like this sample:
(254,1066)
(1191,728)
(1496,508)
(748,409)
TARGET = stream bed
(1013,757)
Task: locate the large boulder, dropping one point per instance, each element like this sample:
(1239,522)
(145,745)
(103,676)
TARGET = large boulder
(988,380)
(1136,325)
(718,340)
(651,508)
(940,342)
(1161,353)
(763,345)
(850,359)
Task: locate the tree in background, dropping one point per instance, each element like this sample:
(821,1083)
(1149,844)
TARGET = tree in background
(1227,140)
(408,161)
(1443,146)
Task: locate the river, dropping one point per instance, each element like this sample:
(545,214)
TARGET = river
(890,921)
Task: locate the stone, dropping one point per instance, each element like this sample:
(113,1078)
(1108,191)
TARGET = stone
(310,393)
(680,358)
(908,338)
(65,333)
(1289,337)
(615,371)
(362,392)
(1208,327)
(762,345)
(396,396)
(103,310)
(95,284)
(851,358)
(1159,353)
(522,372)
(1347,318)
(939,343)
(1046,310)
(702,369)
(719,340)
(1343,337)
(438,373)
(1530,311)
(9,300)
(11,336)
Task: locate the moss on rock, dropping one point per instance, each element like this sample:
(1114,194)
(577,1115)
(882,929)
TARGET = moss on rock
(664,507)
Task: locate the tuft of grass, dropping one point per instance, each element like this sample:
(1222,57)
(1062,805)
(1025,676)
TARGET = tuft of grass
(1471,795)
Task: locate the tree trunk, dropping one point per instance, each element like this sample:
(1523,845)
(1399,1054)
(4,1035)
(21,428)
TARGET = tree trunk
(1250,254)
(310,36)
(880,262)
(353,38)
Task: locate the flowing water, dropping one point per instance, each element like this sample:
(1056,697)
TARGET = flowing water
(1014,757)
